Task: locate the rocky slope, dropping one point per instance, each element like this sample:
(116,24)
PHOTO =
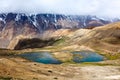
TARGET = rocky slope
(105,38)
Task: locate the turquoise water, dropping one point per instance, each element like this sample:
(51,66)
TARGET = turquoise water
(86,56)
(41,57)
(78,57)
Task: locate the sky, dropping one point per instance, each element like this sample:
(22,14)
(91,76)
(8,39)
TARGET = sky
(72,7)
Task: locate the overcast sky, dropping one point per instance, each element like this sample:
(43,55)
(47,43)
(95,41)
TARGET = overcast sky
(79,7)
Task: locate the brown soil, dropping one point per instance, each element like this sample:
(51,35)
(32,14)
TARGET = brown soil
(20,69)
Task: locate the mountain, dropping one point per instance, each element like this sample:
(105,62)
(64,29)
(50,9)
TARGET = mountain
(13,25)
(105,39)
(43,22)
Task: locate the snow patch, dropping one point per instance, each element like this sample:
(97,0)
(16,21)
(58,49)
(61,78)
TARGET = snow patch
(1,19)
(17,17)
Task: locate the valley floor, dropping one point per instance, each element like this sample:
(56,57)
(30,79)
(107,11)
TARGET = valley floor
(16,68)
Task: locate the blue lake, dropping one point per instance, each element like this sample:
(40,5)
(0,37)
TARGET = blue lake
(41,57)
(86,56)
(78,57)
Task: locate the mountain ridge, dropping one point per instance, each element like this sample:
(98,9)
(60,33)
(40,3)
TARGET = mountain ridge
(105,39)
(40,25)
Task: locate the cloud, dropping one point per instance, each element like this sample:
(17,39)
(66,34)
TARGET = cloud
(75,7)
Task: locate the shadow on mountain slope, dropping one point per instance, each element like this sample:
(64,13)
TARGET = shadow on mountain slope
(33,43)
